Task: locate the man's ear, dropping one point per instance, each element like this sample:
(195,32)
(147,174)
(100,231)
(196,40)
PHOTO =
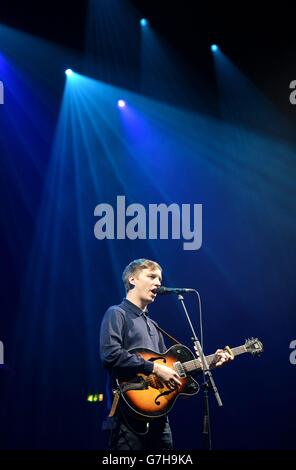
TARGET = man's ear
(131,281)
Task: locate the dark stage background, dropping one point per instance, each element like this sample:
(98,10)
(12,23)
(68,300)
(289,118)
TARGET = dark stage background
(216,129)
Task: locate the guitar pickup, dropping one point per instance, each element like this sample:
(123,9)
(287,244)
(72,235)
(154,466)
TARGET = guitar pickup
(180,369)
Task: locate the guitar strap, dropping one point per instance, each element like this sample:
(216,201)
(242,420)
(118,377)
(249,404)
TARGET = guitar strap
(166,334)
(116,396)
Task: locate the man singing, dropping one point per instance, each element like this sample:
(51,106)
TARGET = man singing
(127,326)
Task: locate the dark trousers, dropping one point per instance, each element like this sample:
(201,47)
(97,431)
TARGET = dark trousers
(133,434)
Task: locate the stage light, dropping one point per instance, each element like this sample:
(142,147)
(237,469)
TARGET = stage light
(69,72)
(143,22)
(214,47)
(121,103)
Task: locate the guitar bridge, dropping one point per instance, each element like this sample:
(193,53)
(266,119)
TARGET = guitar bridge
(180,369)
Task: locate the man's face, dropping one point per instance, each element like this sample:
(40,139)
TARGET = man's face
(146,282)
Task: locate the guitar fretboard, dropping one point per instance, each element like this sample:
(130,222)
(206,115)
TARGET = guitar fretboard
(195,364)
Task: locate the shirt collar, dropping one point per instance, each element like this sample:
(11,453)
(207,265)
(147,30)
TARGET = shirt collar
(134,308)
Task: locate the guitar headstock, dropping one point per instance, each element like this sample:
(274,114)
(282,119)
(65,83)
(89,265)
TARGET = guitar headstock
(253,346)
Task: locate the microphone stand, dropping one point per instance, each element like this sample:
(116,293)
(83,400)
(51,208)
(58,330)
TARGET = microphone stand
(209,383)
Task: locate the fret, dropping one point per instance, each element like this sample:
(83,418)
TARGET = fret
(194,364)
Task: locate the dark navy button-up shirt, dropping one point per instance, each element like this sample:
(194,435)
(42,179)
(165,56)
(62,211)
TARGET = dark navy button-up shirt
(124,327)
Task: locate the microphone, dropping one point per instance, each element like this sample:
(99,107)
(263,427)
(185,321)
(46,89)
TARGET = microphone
(172,290)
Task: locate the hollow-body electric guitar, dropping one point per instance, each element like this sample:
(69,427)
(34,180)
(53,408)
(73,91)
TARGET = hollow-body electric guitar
(148,398)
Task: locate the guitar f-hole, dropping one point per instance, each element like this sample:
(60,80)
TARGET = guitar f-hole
(156,401)
(163,359)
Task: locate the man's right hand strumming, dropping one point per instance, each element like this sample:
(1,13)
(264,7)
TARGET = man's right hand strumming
(167,376)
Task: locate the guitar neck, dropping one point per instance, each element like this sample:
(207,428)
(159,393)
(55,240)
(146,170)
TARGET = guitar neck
(195,365)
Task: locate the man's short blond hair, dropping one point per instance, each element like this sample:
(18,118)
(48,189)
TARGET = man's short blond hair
(135,267)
